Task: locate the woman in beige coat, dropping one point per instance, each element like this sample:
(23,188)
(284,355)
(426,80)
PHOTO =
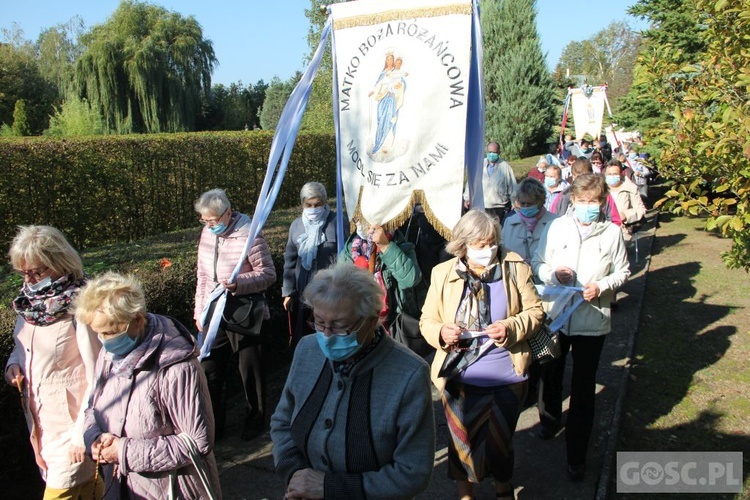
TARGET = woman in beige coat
(481,308)
(53,360)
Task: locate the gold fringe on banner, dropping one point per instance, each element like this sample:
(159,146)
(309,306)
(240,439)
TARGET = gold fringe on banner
(417,196)
(400,15)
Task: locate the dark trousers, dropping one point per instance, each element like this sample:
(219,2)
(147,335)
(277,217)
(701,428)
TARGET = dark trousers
(499,212)
(216,366)
(586,352)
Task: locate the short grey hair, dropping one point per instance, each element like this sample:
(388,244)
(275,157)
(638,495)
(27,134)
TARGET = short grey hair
(532,189)
(214,202)
(345,283)
(474,226)
(313,190)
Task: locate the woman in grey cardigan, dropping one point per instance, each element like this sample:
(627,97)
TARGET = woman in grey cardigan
(311,246)
(355,419)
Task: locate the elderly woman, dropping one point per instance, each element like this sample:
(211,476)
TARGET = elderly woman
(553,184)
(581,249)
(150,409)
(312,245)
(480,310)
(522,231)
(625,193)
(221,245)
(53,360)
(355,417)
(392,261)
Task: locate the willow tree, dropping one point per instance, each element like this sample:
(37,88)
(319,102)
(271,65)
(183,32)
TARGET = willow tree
(146,69)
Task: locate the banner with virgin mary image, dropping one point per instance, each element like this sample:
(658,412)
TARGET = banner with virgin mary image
(588,110)
(402,75)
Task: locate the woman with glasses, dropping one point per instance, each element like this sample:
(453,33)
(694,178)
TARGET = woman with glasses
(53,360)
(312,245)
(149,421)
(480,310)
(221,244)
(355,417)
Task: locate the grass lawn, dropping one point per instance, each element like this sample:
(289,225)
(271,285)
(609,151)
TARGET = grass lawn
(690,383)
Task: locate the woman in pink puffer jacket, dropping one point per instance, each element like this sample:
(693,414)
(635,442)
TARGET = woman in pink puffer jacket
(149,420)
(222,243)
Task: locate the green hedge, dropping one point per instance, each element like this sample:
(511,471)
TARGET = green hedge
(104,189)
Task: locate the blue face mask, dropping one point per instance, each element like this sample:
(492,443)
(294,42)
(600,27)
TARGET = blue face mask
(492,157)
(120,345)
(550,181)
(529,212)
(338,347)
(218,228)
(612,180)
(586,213)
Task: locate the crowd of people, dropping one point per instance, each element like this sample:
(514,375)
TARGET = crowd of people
(124,403)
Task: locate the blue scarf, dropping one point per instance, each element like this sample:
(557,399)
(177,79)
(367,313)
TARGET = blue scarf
(312,237)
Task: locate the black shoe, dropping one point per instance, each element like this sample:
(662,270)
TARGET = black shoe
(576,472)
(253,427)
(545,433)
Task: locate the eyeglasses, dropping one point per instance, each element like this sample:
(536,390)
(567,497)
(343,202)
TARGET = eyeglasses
(211,222)
(33,273)
(330,329)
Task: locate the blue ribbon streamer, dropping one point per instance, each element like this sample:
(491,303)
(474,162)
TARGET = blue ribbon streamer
(474,155)
(281,150)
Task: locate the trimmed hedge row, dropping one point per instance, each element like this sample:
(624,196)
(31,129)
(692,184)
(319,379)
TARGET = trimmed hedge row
(104,189)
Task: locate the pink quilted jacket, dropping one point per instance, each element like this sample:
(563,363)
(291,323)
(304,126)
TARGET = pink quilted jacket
(257,272)
(158,391)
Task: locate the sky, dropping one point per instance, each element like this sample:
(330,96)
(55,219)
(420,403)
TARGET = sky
(256,40)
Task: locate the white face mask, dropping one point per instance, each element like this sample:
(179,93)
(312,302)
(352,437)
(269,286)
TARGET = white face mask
(314,214)
(483,257)
(39,284)
(361,231)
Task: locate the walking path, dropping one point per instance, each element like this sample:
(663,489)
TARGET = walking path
(247,468)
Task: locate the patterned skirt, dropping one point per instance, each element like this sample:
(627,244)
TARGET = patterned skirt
(482,421)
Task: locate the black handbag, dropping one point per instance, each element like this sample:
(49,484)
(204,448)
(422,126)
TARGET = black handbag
(243,314)
(544,344)
(405,330)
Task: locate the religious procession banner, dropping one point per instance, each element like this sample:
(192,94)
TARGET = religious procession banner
(401,72)
(588,110)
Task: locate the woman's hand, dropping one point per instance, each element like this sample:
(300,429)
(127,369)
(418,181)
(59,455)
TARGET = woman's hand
(380,238)
(497,332)
(76,454)
(306,483)
(101,444)
(231,287)
(450,333)
(590,292)
(198,325)
(288,303)
(14,375)
(565,275)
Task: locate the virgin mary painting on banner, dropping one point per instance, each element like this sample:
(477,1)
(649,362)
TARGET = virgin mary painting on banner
(402,79)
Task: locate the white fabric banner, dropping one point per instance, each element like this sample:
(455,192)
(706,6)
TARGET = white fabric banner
(403,78)
(588,111)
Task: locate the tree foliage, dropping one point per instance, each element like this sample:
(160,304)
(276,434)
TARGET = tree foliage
(20,79)
(277,94)
(675,37)
(706,144)
(57,50)
(146,69)
(74,118)
(609,57)
(519,92)
(235,107)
